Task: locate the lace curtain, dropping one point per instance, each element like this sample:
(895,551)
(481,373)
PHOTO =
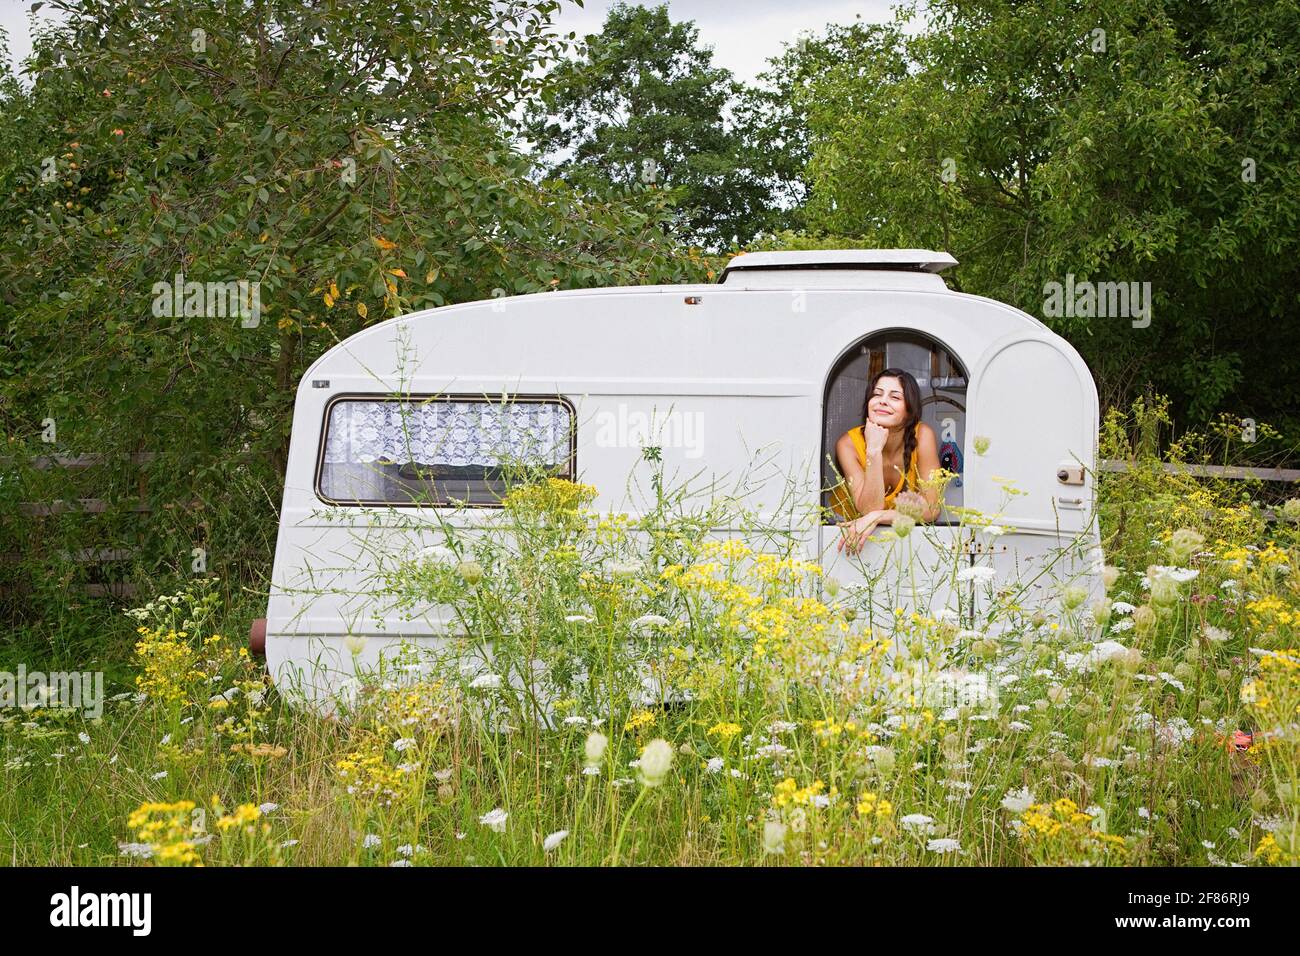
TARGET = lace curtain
(446,432)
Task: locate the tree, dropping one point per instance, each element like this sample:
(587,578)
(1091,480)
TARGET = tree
(643,105)
(772,116)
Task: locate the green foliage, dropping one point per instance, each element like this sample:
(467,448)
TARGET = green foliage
(643,106)
(353,173)
(1105,141)
(774,114)
(1160,489)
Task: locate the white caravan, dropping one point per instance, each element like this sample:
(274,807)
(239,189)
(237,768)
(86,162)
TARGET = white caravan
(744,385)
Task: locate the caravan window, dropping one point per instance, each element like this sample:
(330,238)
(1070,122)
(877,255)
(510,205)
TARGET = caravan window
(434,450)
(943,381)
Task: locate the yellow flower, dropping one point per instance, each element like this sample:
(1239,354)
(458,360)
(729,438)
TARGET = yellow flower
(167,828)
(642,718)
(787,792)
(869,804)
(724,730)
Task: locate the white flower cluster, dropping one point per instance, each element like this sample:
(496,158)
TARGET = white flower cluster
(951,688)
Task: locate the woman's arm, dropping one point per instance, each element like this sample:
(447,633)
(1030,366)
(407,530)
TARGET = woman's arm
(866,485)
(927,463)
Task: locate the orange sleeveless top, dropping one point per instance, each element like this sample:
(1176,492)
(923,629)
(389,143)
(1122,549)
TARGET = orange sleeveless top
(842,502)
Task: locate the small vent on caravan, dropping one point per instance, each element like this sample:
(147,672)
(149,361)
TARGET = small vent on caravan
(838,269)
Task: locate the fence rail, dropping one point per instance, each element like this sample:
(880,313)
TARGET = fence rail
(88,506)
(1208,471)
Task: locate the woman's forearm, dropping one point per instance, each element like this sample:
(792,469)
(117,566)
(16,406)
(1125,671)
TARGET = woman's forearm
(871,496)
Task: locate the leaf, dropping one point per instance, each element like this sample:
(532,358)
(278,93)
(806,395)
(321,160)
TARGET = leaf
(400,273)
(334,290)
(329,300)
(361,309)
(383,243)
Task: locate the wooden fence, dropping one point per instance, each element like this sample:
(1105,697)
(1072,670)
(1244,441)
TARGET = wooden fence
(1210,471)
(88,506)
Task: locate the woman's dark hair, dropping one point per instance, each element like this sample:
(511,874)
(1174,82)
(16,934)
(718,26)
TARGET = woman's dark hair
(912,397)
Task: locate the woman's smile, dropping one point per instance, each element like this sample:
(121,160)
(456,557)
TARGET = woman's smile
(885,412)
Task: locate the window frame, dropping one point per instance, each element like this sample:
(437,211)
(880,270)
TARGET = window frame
(836,368)
(424,397)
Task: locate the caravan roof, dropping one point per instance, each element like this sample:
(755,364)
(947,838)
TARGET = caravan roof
(839,269)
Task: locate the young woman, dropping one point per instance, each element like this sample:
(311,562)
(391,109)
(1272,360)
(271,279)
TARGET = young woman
(884,455)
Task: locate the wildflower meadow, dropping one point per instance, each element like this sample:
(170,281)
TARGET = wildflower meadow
(641,691)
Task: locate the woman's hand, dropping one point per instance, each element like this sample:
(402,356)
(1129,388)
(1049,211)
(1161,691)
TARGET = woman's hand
(856,532)
(876,436)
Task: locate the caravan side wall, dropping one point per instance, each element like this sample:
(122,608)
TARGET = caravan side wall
(741,374)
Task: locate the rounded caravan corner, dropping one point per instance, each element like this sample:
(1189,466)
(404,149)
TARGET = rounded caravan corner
(1060,342)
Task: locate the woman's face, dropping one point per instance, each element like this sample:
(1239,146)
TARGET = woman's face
(887,405)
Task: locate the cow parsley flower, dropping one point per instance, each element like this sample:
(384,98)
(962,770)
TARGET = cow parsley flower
(594,750)
(1018,801)
(1100,653)
(1215,635)
(978,574)
(650,620)
(439,554)
(774,837)
(917,823)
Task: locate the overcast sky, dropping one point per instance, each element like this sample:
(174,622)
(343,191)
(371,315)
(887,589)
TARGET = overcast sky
(743,33)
